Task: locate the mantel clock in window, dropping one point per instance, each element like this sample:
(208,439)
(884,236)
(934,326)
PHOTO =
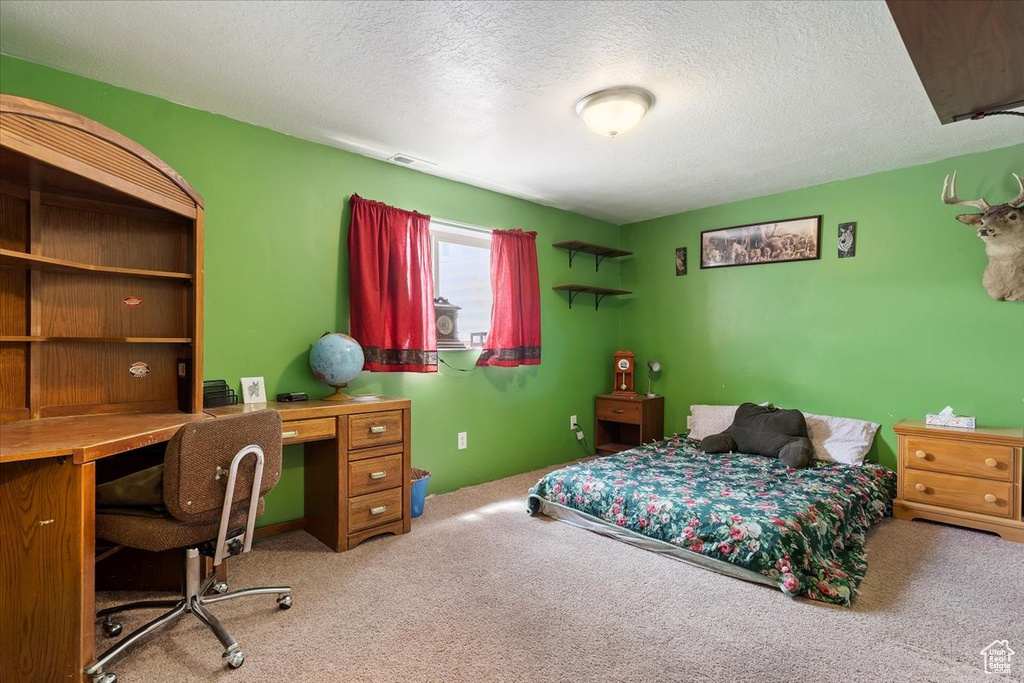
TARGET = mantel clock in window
(462,284)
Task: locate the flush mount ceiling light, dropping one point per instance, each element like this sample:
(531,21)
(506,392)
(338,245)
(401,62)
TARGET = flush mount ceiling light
(613,111)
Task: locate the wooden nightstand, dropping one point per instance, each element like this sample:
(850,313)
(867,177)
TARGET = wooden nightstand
(624,422)
(967,477)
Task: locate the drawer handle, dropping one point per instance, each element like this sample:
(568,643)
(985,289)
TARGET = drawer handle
(989,498)
(379,510)
(379,429)
(618,411)
(921,454)
(290,435)
(378,475)
(921,487)
(991,462)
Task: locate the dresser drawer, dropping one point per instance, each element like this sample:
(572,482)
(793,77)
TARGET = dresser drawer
(961,493)
(374,474)
(375,429)
(618,411)
(988,461)
(297,431)
(373,509)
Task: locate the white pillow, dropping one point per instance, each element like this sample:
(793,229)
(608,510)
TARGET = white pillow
(840,439)
(836,439)
(707,420)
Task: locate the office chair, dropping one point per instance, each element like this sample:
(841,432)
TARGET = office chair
(203,463)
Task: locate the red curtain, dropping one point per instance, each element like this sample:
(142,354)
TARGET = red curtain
(514,338)
(391,287)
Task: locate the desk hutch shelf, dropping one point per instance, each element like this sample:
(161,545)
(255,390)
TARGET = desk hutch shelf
(101,271)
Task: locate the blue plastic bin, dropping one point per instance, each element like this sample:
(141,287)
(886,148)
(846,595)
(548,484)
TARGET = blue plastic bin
(419,490)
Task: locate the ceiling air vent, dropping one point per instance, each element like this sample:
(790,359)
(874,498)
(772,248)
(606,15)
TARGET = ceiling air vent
(410,161)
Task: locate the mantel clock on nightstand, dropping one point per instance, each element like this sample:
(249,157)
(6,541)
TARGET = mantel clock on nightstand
(623,420)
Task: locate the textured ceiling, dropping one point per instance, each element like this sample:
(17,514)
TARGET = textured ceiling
(752,97)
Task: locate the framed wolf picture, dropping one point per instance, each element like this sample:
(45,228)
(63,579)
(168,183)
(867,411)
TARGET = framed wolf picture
(796,239)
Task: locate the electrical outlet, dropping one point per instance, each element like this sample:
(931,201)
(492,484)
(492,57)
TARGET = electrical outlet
(573,422)
(462,441)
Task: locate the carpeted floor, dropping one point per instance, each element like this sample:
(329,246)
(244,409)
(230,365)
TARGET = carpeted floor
(482,592)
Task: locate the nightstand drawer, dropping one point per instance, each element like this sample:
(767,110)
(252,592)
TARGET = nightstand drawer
(988,461)
(375,429)
(374,509)
(375,474)
(961,493)
(618,411)
(297,431)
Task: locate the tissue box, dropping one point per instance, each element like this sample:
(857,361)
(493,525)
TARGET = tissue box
(961,421)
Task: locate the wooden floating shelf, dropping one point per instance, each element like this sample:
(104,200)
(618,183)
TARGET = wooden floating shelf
(97,340)
(600,252)
(598,292)
(18,259)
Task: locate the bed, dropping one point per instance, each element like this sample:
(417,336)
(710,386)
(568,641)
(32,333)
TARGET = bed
(746,516)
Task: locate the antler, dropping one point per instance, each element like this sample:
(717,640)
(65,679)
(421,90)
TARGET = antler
(949,195)
(1020,197)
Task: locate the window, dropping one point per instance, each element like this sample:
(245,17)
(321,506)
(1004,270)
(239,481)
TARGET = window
(462,277)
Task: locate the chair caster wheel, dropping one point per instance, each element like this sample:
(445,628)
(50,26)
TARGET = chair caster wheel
(234,659)
(284,602)
(220,587)
(111,629)
(104,678)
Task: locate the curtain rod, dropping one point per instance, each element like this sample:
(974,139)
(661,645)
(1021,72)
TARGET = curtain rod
(457,224)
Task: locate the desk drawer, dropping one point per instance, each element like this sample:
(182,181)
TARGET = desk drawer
(374,509)
(298,431)
(375,429)
(988,461)
(961,493)
(618,411)
(374,474)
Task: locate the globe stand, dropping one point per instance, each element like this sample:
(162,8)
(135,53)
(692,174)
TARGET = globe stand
(338,395)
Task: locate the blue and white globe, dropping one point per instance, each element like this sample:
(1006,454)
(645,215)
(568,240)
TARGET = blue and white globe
(336,359)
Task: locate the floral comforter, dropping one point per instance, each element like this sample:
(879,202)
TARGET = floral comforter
(804,529)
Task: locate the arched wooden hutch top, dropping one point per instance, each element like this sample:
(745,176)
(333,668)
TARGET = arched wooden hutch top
(101,271)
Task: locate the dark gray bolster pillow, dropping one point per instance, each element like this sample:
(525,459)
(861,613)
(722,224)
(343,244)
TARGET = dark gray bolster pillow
(797,453)
(718,443)
(765,430)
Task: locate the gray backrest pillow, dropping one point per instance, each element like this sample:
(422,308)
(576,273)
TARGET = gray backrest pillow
(765,430)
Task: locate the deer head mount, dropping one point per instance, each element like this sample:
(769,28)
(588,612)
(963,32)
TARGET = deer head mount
(1001,228)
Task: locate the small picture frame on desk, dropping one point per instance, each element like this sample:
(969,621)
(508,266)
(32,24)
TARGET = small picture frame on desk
(254,390)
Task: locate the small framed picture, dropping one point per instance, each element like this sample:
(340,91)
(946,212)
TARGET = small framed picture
(847,240)
(253,390)
(680,261)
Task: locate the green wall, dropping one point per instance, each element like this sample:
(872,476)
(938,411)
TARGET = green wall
(276,278)
(903,328)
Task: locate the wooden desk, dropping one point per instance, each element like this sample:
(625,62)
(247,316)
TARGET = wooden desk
(47,509)
(357,461)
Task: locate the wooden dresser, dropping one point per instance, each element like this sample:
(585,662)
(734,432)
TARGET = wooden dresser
(624,422)
(970,478)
